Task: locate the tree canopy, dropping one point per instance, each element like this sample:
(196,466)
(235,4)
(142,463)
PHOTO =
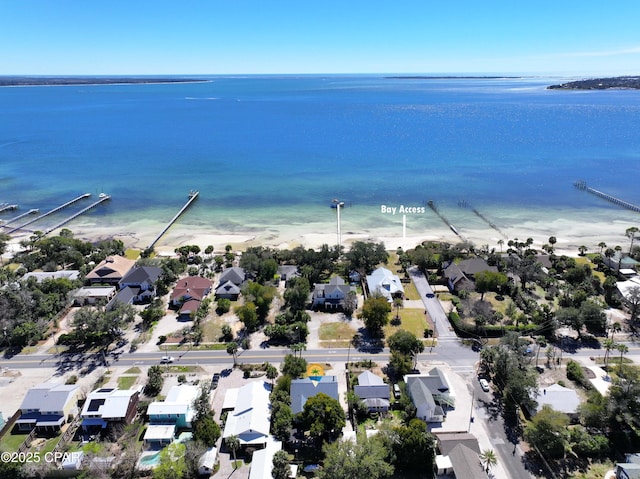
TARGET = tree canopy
(322,416)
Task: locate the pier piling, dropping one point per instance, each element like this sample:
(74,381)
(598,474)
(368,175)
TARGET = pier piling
(102,199)
(582,185)
(68,203)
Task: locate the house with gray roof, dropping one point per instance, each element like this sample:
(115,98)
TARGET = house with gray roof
(373,392)
(383,282)
(333,295)
(460,276)
(559,398)
(630,469)
(303,389)
(140,282)
(430,394)
(230,284)
(47,406)
(287,272)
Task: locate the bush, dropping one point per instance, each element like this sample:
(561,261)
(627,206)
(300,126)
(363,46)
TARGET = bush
(182,379)
(576,374)
(72,379)
(223,305)
(162,339)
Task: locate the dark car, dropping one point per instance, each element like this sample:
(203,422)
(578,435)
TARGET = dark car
(214,380)
(431,295)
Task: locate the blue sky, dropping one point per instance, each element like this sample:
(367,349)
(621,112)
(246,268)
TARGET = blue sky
(567,37)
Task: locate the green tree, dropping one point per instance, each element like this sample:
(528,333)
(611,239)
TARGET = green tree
(294,366)
(248,315)
(593,317)
(154,381)
(489,281)
(205,429)
(322,416)
(547,432)
(415,447)
(631,234)
(375,314)
(281,468)
(404,348)
(572,318)
(281,420)
(297,294)
(271,372)
(363,257)
(172,464)
(365,458)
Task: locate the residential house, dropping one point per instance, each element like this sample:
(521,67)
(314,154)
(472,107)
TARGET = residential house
(620,261)
(460,276)
(231,281)
(559,398)
(262,461)
(628,288)
(47,407)
(207,462)
(303,389)
(94,295)
(249,420)
(333,295)
(287,272)
(383,282)
(106,406)
(174,413)
(188,294)
(458,456)
(630,469)
(373,392)
(138,284)
(110,271)
(40,276)
(430,394)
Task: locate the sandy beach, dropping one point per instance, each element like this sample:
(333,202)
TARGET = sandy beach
(572,228)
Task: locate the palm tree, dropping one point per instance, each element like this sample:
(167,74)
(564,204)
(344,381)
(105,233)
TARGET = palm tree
(233,443)
(615,328)
(623,348)
(488,459)
(582,250)
(271,371)
(602,245)
(398,303)
(608,344)
(500,243)
(552,241)
(232,348)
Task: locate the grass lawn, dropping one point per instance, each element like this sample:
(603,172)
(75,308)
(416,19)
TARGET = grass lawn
(125,382)
(412,320)
(133,370)
(336,331)
(212,328)
(410,291)
(199,347)
(133,254)
(584,260)
(597,469)
(11,442)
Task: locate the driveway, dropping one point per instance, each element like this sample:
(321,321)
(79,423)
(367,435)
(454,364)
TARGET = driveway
(432,304)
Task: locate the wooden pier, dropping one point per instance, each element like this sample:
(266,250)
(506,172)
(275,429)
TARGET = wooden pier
(582,185)
(192,197)
(433,206)
(55,210)
(7,207)
(102,198)
(4,224)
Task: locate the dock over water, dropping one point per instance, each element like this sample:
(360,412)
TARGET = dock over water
(193,195)
(582,185)
(102,198)
(55,210)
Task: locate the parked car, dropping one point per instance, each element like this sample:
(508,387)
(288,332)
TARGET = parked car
(396,391)
(484,384)
(167,359)
(214,380)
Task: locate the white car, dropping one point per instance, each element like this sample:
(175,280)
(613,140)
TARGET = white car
(484,384)
(166,359)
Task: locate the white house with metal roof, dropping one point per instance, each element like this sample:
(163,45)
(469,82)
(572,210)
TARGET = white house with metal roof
(383,282)
(250,418)
(430,393)
(105,406)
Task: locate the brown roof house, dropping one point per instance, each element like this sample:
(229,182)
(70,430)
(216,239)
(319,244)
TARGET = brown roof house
(110,271)
(188,294)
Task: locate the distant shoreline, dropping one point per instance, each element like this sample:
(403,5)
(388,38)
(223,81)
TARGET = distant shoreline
(613,83)
(451,77)
(70,81)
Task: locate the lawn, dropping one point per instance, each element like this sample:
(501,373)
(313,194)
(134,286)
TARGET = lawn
(584,260)
(125,382)
(212,328)
(133,370)
(412,320)
(410,291)
(11,442)
(336,331)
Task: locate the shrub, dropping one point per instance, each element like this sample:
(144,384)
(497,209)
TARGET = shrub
(576,374)
(72,379)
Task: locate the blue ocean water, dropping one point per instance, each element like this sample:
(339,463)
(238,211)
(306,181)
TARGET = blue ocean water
(274,150)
